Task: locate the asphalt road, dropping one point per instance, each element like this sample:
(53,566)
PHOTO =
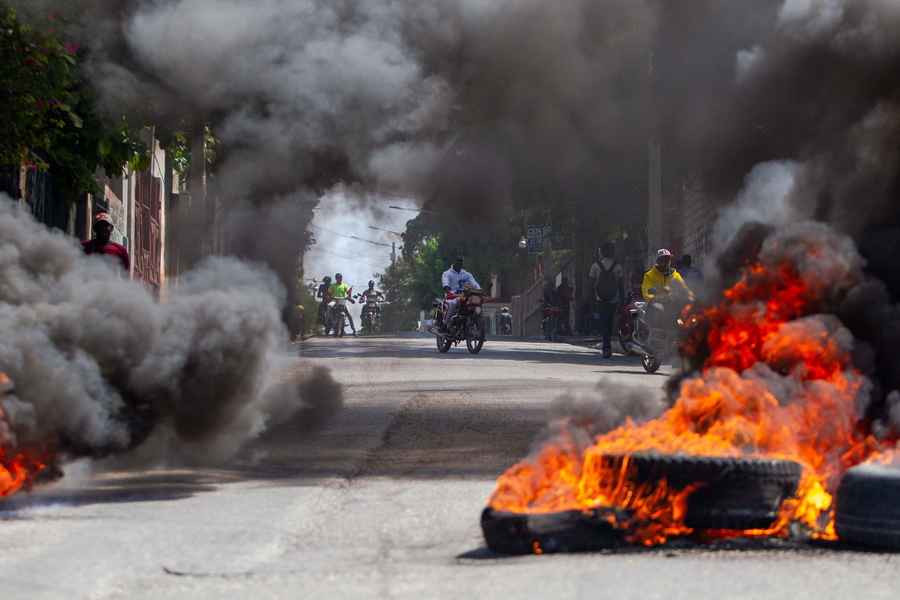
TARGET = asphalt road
(383,502)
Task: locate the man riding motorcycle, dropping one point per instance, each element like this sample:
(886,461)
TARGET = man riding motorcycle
(324,292)
(453,279)
(663,284)
(339,289)
(370,294)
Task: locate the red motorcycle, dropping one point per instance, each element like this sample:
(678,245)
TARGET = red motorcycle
(467,324)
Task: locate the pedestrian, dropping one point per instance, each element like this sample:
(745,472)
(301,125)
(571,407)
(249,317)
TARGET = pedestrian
(102,244)
(607,279)
(295,322)
(505,321)
(634,293)
(564,300)
(692,276)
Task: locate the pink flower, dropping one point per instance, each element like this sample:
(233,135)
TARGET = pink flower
(72,47)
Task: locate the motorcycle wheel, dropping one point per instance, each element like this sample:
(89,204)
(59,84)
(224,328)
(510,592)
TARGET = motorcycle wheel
(554,332)
(651,363)
(443,343)
(475,335)
(367,324)
(342,323)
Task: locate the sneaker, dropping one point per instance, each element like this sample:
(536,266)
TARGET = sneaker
(607,353)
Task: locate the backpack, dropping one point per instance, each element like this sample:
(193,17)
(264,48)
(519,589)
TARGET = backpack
(607,285)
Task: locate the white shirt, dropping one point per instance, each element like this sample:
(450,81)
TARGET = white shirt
(457,281)
(594,275)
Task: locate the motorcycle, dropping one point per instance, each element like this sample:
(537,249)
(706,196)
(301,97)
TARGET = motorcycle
(337,315)
(553,324)
(654,342)
(371,315)
(467,324)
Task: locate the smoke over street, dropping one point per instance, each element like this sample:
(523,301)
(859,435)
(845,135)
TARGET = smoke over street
(98,366)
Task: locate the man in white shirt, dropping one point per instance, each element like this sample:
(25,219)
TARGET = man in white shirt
(455,278)
(607,280)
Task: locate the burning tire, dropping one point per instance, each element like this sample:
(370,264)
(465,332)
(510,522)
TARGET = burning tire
(867,506)
(735,493)
(568,531)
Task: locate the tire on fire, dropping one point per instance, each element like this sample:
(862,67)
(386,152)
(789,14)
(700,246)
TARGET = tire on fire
(538,533)
(734,493)
(867,506)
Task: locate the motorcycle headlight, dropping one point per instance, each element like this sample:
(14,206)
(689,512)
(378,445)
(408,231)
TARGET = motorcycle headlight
(475,300)
(477,310)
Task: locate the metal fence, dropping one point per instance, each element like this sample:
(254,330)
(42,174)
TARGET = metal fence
(39,196)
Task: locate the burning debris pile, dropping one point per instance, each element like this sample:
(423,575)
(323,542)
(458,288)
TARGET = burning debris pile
(780,378)
(93,365)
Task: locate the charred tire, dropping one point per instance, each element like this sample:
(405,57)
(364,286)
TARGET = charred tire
(735,493)
(475,335)
(443,343)
(569,531)
(867,506)
(651,363)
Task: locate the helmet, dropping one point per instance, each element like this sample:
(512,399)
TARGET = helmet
(371,283)
(663,252)
(327,279)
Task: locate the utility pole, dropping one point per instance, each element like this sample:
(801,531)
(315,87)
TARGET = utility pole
(654,175)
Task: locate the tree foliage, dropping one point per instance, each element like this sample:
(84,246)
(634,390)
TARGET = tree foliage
(47,116)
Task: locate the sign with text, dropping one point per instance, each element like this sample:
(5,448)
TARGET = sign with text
(535,239)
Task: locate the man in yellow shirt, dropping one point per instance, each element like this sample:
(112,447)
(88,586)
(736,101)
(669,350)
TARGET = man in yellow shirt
(663,283)
(339,289)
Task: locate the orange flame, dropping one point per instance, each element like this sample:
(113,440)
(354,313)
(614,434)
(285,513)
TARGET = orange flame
(775,384)
(18,467)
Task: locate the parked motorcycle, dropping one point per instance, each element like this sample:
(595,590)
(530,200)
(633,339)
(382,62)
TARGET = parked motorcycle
(337,315)
(553,324)
(467,324)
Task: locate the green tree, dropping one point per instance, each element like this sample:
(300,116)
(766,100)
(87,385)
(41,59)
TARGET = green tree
(47,117)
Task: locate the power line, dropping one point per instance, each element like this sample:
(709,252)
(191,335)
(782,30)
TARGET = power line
(350,259)
(352,237)
(320,244)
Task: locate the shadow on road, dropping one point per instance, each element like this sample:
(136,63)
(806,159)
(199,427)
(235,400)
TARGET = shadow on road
(108,489)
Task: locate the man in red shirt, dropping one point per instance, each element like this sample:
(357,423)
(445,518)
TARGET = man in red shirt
(103,228)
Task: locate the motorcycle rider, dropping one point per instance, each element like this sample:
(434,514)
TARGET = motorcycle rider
(339,289)
(453,279)
(664,285)
(371,294)
(324,292)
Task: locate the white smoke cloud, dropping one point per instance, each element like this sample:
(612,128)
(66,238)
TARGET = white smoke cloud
(765,198)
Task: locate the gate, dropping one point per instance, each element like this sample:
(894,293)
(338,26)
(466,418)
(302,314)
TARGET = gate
(147,257)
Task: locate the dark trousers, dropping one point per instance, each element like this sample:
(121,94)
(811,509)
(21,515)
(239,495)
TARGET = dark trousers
(607,311)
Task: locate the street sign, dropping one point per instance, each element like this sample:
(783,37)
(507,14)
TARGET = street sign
(535,239)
